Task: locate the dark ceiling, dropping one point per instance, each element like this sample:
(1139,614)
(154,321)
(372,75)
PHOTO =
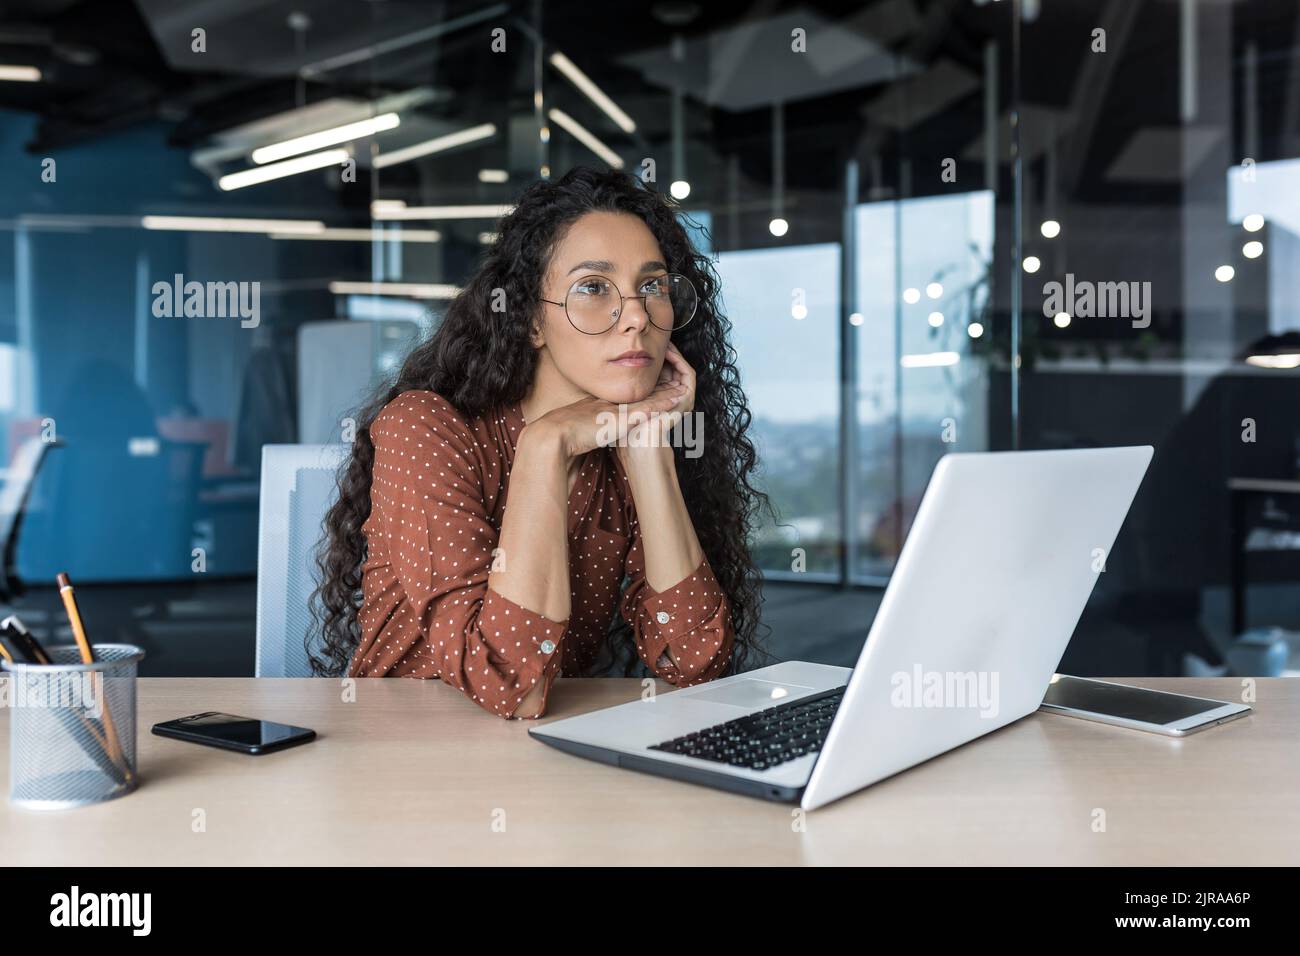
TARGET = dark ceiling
(111,64)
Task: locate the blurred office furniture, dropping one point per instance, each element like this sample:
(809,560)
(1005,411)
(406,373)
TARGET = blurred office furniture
(117,502)
(1176,549)
(1272,538)
(15,492)
(20,431)
(1260,652)
(213,433)
(114,508)
(339,364)
(298,485)
(266,411)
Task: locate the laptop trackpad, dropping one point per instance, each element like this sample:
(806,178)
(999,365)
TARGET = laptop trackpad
(750,692)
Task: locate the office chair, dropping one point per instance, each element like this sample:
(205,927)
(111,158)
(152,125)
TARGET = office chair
(20,478)
(298,487)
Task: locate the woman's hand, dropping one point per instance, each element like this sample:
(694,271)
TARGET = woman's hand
(650,430)
(677,371)
(592,422)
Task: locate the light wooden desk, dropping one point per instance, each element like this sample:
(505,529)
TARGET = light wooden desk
(413,773)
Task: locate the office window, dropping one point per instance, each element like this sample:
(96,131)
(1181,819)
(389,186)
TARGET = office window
(784,305)
(921,317)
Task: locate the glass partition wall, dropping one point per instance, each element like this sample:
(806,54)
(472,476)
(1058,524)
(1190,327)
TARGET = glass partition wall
(844,172)
(939,226)
(1159,307)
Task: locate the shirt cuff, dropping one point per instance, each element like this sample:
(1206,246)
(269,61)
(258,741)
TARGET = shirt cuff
(669,616)
(513,634)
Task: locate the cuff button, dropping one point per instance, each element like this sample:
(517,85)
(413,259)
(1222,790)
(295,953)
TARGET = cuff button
(548,646)
(662,617)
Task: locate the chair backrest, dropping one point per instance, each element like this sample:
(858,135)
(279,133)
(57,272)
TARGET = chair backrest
(298,487)
(142,531)
(339,364)
(20,476)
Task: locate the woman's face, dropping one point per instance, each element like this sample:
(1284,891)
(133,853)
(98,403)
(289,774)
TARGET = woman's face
(622,364)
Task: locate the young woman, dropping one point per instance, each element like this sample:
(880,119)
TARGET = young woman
(517,485)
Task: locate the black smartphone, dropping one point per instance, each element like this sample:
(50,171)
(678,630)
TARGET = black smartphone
(229,732)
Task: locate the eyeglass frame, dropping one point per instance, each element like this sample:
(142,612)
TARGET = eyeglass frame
(623,298)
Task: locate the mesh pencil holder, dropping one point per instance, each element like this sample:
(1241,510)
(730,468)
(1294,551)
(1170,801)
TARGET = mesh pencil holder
(72,728)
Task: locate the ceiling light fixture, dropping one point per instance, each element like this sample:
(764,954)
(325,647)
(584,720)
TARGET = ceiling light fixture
(929,359)
(584,136)
(414,290)
(389,212)
(592,92)
(218,224)
(290,167)
(327,137)
(436,145)
(20,74)
(365,235)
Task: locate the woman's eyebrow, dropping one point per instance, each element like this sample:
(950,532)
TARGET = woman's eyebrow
(604,265)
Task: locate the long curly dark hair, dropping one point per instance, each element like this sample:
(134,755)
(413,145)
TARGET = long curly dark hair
(481,359)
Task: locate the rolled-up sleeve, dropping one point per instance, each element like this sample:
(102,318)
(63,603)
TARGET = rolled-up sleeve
(685,633)
(429,523)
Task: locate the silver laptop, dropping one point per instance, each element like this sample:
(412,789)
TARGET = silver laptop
(1004,551)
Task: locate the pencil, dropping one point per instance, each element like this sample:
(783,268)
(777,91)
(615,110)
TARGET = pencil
(88,657)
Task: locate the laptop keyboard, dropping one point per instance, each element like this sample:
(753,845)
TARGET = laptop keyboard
(765,738)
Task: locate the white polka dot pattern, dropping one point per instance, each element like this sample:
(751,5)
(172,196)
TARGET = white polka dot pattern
(436,502)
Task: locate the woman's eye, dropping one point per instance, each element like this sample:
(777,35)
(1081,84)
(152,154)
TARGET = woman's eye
(592,287)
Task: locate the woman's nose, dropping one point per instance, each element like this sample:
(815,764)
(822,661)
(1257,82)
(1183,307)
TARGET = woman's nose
(634,315)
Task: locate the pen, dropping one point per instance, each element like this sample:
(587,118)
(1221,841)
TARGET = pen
(29,649)
(88,657)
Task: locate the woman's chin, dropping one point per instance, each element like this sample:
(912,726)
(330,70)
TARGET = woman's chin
(626,392)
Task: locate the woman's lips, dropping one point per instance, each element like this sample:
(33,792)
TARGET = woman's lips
(632,359)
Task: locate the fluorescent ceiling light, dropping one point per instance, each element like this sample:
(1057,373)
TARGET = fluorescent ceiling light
(366,235)
(216,224)
(929,359)
(20,74)
(435,145)
(584,136)
(390,212)
(290,167)
(493,175)
(592,92)
(414,290)
(326,137)
(72,222)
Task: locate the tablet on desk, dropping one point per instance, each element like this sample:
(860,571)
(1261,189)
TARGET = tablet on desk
(1137,708)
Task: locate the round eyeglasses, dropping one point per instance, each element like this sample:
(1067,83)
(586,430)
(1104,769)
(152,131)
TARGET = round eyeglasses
(594,303)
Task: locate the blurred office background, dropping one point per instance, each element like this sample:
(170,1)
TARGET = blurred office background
(886,188)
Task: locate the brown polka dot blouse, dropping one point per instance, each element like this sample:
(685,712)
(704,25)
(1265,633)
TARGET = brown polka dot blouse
(436,503)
